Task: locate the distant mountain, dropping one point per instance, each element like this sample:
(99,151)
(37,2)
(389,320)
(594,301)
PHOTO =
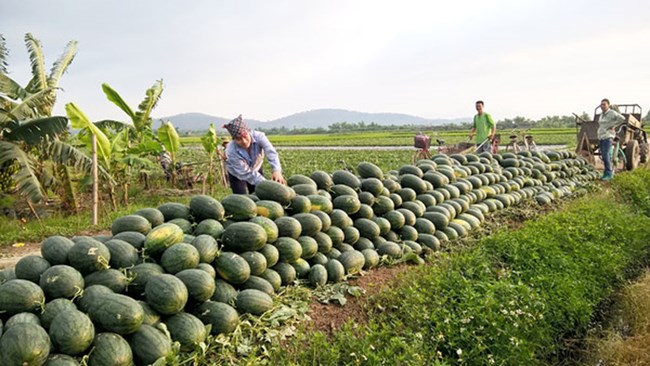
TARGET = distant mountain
(310,119)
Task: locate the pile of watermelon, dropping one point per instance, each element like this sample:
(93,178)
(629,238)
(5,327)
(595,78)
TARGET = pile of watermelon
(177,273)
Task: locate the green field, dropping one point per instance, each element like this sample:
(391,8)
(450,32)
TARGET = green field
(550,136)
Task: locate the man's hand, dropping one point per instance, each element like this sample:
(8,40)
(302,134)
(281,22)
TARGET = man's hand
(277,176)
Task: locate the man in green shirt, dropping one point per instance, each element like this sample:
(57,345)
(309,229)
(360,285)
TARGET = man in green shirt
(607,123)
(484,129)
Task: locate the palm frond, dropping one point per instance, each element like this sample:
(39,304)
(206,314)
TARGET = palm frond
(116,99)
(61,65)
(143,115)
(4,55)
(63,153)
(37,60)
(38,130)
(32,106)
(25,178)
(109,124)
(169,137)
(11,88)
(79,120)
(137,161)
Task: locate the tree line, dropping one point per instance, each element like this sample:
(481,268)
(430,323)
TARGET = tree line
(505,124)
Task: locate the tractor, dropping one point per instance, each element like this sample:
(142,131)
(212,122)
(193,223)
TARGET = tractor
(630,139)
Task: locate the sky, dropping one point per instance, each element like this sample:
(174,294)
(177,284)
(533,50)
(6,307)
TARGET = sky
(269,59)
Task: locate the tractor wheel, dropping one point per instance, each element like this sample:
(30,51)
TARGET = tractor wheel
(644,149)
(632,154)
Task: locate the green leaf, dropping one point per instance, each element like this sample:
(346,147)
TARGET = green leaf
(26,179)
(32,106)
(210,140)
(60,66)
(4,55)
(110,124)
(80,121)
(11,88)
(142,120)
(116,99)
(37,131)
(37,60)
(169,137)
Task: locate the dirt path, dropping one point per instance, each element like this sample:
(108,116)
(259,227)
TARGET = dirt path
(10,255)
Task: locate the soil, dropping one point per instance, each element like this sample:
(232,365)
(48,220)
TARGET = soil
(329,317)
(10,255)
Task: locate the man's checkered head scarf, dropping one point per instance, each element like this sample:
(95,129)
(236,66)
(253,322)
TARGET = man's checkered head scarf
(236,127)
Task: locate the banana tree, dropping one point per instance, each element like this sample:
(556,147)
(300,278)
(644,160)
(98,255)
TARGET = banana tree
(39,96)
(211,142)
(141,136)
(111,148)
(169,138)
(30,136)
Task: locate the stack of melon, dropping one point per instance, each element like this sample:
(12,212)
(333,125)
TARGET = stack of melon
(176,272)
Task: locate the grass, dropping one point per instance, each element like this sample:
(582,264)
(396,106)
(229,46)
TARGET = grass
(625,339)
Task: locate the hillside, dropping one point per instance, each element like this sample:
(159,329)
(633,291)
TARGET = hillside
(309,119)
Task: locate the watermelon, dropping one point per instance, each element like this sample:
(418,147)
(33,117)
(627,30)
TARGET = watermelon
(89,255)
(71,332)
(244,236)
(271,254)
(224,292)
(259,283)
(179,257)
(273,278)
(150,317)
(317,275)
(141,274)
(110,349)
(123,254)
(153,215)
(256,262)
(286,271)
(232,268)
(289,249)
(21,318)
(254,302)
(239,207)
(166,294)
(369,170)
(24,344)
(162,237)
(55,249)
(135,223)
(269,209)
(117,313)
(310,223)
(335,271)
(205,207)
(134,238)
(53,308)
(274,191)
(200,285)
(222,317)
(149,344)
(323,179)
(207,248)
(31,267)
(92,296)
(111,278)
(186,329)
(174,210)
(209,227)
